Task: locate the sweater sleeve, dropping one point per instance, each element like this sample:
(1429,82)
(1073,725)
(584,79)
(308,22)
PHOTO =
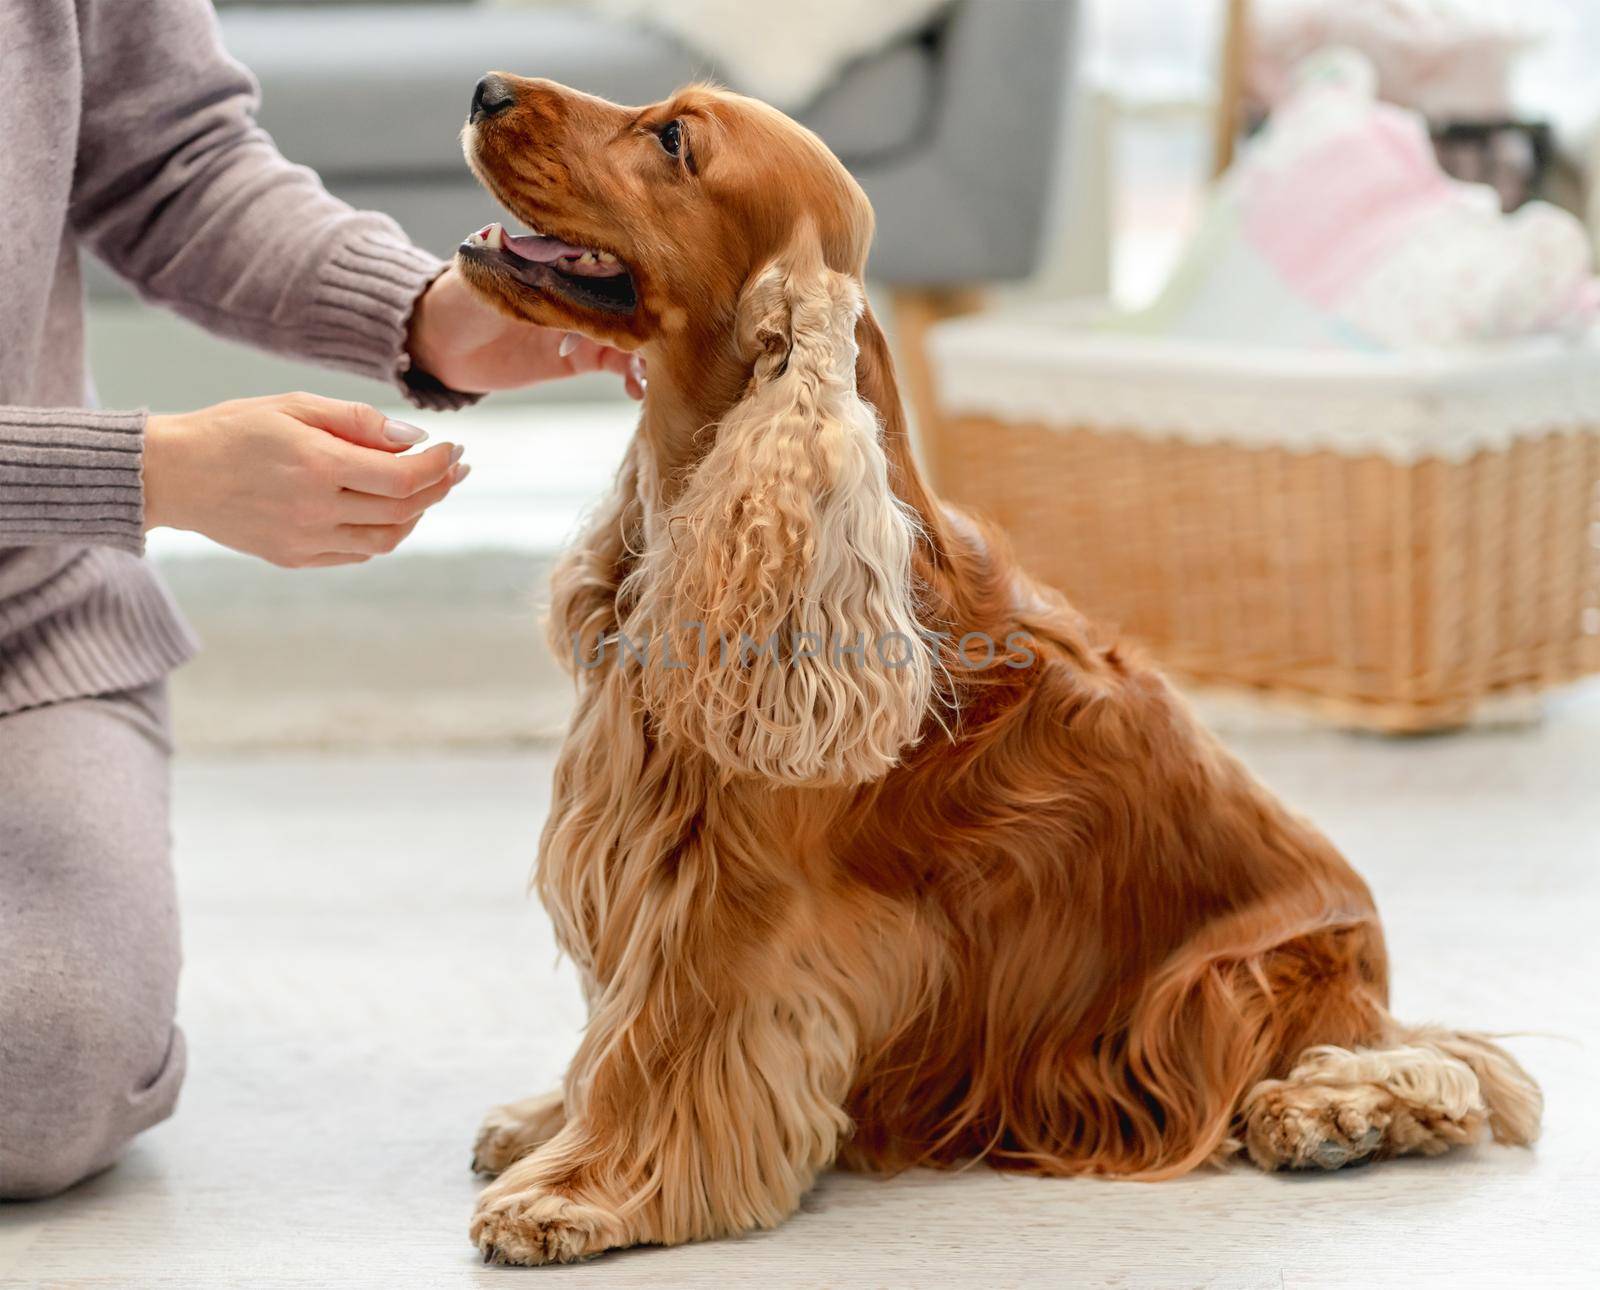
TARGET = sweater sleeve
(71,475)
(182,193)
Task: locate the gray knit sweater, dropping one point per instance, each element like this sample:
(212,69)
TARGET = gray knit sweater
(126,129)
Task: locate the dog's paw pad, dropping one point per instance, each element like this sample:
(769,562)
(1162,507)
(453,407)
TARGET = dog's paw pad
(1332,1153)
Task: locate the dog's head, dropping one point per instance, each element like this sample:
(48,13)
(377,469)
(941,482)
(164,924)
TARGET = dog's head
(647,220)
(775,576)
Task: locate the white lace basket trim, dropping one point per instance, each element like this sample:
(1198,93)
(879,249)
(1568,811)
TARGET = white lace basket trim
(1048,367)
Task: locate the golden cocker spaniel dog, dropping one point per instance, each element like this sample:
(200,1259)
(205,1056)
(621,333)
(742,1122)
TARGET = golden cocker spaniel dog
(868,850)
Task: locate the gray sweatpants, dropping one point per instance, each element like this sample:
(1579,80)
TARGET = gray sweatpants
(89,1055)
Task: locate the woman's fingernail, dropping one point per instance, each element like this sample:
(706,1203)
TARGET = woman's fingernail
(455,453)
(403,432)
(459,473)
(569,342)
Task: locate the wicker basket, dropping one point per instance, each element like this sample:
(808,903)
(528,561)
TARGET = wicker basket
(1387,541)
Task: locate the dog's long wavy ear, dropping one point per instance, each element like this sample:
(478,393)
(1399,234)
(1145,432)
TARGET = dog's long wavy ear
(785,563)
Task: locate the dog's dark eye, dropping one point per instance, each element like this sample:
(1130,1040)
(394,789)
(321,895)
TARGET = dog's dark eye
(671,136)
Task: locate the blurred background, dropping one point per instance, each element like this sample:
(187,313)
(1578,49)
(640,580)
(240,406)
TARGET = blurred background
(1020,154)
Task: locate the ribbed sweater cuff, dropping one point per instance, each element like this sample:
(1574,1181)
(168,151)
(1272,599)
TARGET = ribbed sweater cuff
(71,475)
(361,308)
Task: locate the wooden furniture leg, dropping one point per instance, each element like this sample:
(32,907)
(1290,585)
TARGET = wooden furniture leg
(916,309)
(1231,87)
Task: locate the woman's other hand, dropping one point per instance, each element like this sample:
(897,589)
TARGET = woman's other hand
(299,480)
(471,346)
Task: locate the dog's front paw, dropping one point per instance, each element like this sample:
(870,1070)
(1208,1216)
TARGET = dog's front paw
(538,1226)
(512,1131)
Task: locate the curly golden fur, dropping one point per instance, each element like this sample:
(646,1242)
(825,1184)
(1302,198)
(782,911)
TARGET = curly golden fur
(989,893)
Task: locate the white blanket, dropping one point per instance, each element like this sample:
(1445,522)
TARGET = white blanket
(1336,228)
(784,51)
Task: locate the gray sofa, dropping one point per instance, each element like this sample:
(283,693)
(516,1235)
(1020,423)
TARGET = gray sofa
(952,132)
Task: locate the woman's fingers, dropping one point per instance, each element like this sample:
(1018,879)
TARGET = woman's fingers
(357,423)
(385,497)
(381,495)
(630,367)
(367,508)
(619,361)
(635,381)
(371,539)
(362,471)
(585,355)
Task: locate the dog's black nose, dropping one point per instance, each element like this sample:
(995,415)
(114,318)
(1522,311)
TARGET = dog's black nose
(490,97)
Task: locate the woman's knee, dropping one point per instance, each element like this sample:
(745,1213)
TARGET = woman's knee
(89,1055)
(80,1075)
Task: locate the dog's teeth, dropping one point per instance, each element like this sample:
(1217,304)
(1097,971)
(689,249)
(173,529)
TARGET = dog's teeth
(605,257)
(586,258)
(494,237)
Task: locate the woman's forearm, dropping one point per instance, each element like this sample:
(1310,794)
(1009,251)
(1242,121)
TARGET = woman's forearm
(293,478)
(183,194)
(71,475)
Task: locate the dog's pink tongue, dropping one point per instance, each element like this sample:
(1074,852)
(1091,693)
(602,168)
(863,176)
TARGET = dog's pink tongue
(541,250)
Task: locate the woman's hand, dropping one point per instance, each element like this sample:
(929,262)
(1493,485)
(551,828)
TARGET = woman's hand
(297,479)
(471,346)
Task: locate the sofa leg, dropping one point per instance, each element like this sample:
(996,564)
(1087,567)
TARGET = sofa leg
(916,309)
(1231,87)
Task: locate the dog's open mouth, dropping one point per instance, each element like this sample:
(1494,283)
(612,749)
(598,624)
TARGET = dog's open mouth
(594,279)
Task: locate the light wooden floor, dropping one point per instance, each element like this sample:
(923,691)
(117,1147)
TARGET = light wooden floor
(364,978)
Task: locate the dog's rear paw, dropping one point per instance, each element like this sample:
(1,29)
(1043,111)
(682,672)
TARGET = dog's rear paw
(536,1226)
(1300,1127)
(512,1131)
(1338,1107)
